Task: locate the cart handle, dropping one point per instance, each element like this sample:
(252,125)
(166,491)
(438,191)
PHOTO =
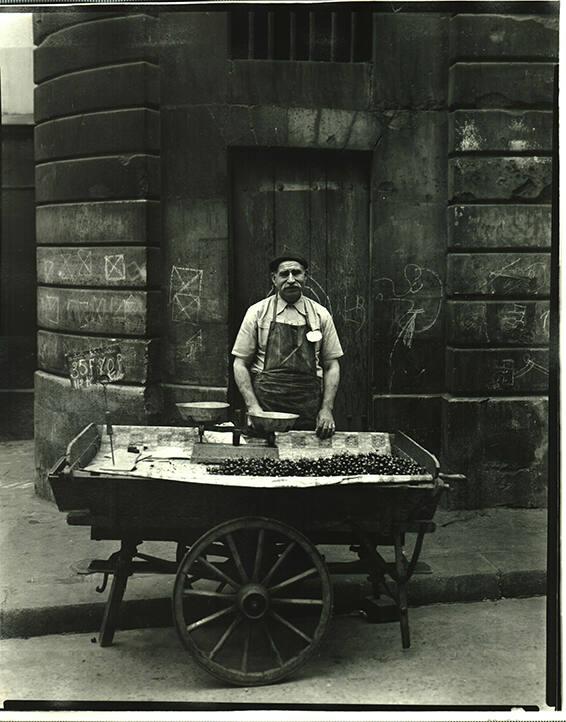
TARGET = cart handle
(58,466)
(451,477)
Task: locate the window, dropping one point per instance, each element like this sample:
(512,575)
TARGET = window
(339,36)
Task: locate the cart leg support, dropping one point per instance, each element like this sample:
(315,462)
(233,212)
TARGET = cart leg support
(399,572)
(119,581)
(401,566)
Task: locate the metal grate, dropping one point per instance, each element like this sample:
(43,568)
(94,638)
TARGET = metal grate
(341,36)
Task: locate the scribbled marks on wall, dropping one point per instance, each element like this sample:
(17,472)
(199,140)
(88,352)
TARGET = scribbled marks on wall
(514,277)
(353,312)
(193,346)
(48,270)
(52,309)
(136,272)
(92,266)
(314,289)
(410,308)
(545,321)
(74,265)
(115,267)
(185,290)
(507,372)
(514,317)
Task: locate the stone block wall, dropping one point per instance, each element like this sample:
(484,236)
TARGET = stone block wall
(97,152)
(409,230)
(137,117)
(494,415)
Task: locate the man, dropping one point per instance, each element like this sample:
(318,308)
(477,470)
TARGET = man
(287,344)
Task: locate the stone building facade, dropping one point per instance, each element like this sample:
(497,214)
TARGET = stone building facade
(407,154)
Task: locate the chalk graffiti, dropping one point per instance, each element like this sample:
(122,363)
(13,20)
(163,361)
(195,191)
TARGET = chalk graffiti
(85,263)
(415,307)
(514,318)
(422,285)
(193,346)
(509,277)
(118,308)
(48,269)
(96,316)
(319,293)
(476,323)
(354,312)
(43,351)
(115,267)
(66,272)
(132,305)
(185,289)
(135,271)
(52,309)
(545,320)
(133,310)
(75,264)
(506,373)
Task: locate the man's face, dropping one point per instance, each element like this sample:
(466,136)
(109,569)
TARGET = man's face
(289,280)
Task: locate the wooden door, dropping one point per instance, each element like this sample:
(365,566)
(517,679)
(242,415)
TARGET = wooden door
(315,203)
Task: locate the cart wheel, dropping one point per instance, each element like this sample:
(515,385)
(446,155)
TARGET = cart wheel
(252,600)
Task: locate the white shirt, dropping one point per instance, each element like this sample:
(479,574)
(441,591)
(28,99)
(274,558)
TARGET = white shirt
(251,341)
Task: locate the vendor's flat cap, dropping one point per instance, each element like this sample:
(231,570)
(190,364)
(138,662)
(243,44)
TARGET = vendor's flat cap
(274,264)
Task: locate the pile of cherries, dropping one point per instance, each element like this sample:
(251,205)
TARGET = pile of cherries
(345,464)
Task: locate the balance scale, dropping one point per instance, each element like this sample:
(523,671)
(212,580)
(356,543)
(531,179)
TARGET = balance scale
(210,415)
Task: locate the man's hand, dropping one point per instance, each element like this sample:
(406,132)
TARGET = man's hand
(253,411)
(325,426)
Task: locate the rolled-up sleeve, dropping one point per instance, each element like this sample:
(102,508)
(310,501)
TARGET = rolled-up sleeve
(331,347)
(245,345)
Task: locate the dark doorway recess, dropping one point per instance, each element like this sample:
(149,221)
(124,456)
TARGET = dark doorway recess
(315,203)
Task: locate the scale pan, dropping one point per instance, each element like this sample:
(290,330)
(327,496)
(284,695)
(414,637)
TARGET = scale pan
(203,411)
(269,421)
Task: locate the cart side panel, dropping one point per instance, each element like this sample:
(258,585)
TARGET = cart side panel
(168,510)
(83,448)
(403,445)
(90,493)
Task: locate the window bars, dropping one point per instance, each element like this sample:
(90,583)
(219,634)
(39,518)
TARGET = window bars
(341,36)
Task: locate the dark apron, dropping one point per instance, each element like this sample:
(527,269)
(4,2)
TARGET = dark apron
(288,381)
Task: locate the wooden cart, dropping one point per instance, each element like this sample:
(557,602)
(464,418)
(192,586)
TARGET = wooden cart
(253,595)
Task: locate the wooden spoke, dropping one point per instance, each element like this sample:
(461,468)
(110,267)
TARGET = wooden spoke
(245,652)
(224,638)
(251,551)
(237,558)
(258,554)
(297,601)
(206,593)
(210,618)
(278,563)
(290,626)
(293,580)
(272,644)
(218,572)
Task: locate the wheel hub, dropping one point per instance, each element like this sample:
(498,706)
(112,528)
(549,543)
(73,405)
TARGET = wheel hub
(253,601)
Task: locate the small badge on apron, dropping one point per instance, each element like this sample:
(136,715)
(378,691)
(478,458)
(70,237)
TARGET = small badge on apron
(314,336)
